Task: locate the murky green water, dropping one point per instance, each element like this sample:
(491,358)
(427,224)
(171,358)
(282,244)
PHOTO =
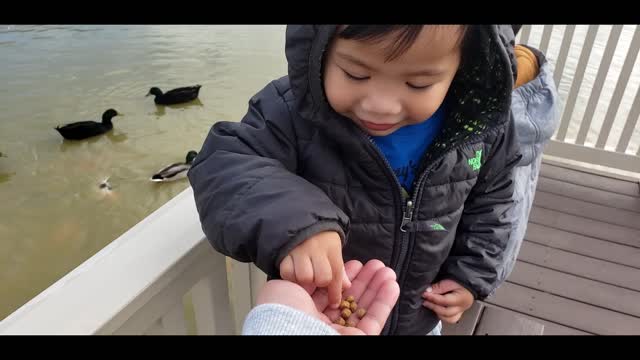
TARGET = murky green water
(53,215)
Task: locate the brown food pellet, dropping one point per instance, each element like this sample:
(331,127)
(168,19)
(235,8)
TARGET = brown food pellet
(350,298)
(340,321)
(344,305)
(345,313)
(350,323)
(354,306)
(360,313)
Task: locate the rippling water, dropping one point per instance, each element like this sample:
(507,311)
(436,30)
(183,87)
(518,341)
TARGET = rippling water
(53,215)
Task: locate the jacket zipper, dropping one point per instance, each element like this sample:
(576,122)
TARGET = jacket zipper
(407,207)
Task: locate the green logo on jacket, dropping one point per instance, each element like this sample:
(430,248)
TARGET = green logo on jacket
(475,162)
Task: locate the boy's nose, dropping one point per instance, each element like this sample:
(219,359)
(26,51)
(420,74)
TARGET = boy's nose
(381,105)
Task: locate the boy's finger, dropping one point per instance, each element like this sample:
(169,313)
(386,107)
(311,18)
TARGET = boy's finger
(449,299)
(320,298)
(335,286)
(441,310)
(286,269)
(451,319)
(303,269)
(443,287)
(321,271)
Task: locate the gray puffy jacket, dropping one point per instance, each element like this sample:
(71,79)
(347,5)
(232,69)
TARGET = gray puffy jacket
(293,167)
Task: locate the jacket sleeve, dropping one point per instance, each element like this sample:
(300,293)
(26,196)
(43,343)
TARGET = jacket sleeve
(485,226)
(252,205)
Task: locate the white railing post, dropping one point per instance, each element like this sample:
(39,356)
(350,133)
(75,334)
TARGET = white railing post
(576,83)
(211,303)
(621,85)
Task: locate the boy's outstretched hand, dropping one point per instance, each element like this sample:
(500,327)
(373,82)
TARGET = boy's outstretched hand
(448,300)
(317,262)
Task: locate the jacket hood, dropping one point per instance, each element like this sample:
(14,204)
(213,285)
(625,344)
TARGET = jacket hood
(484,102)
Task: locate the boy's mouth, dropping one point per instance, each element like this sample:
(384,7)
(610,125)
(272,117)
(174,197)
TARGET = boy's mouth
(376,127)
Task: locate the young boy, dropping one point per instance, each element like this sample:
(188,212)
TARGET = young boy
(384,142)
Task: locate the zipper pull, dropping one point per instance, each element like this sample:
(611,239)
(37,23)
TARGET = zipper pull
(407,215)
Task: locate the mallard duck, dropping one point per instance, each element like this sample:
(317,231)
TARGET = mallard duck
(85,129)
(175,96)
(175,171)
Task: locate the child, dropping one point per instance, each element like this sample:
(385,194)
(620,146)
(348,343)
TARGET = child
(384,142)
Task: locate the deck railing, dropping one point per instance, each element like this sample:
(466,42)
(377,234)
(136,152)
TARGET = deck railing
(599,91)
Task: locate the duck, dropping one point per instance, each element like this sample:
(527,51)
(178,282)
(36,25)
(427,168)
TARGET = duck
(84,129)
(175,96)
(175,171)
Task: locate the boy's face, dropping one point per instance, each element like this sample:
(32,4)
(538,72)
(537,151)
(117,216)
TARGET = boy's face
(380,96)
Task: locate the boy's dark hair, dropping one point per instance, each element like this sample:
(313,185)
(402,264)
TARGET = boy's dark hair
(405,36)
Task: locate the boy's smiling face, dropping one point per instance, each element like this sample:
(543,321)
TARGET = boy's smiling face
(381,96)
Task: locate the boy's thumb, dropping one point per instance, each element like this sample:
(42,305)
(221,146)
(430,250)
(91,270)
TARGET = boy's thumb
(443,287)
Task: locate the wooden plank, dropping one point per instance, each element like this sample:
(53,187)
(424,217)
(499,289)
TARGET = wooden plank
(550,328)
(593,156)
(602,197)
(467,323)
(593,170)
(587,210)
(588,227)
(589,291)
(494,321)
(584,245)
(565,311)
(590,180)
(579,265)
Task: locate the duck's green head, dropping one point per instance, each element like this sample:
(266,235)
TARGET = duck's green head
(154,91)
(191,155)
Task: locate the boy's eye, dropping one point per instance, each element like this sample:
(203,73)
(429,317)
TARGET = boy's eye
(416,87)
(353,77)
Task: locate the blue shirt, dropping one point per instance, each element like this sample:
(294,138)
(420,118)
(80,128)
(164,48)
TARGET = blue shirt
(404,147)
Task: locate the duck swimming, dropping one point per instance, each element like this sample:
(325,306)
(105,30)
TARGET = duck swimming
(175,96)
(175,171)
(85,129)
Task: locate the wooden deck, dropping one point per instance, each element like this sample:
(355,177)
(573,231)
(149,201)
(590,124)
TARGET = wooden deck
(578,271)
